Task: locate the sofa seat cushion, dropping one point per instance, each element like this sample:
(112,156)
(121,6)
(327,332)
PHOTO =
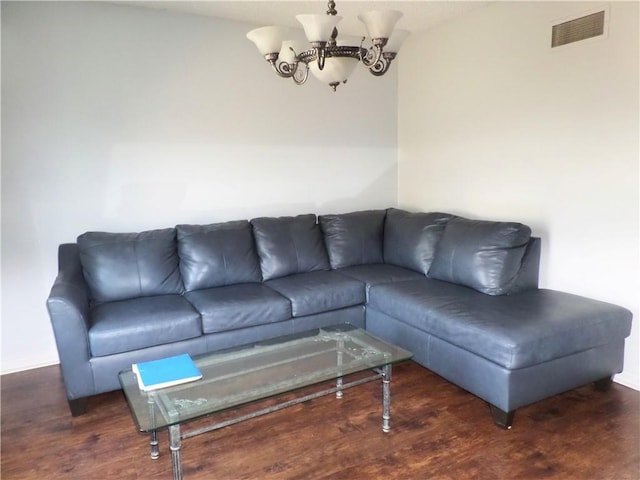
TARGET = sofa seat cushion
(514,331)
(377,273)
(217,254)
(238,306)
(483,255)
(119,266)
(127,325)
(317,292)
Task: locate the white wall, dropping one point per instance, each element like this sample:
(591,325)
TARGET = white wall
(493,124)
(120,118)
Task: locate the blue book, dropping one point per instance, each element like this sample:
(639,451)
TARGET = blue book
(166,372)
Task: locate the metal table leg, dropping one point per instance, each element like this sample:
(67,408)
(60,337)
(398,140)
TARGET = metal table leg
(155,450)
(339,361)
(386,398)
(174,445)
(153,441)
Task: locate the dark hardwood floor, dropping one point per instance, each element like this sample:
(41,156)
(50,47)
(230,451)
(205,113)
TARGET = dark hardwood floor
(438,432)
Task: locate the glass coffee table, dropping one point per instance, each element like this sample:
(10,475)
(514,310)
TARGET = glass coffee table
(255,372)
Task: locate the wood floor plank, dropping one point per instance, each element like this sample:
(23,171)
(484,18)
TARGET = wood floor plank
(439,431)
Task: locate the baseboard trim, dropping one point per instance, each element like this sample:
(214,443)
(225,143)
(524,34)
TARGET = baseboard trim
(30,367)
(628,380)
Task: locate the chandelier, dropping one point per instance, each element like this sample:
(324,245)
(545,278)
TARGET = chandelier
(330,60)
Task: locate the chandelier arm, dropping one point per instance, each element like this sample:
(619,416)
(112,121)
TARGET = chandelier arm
(379,68)
(372,56)
(284,69)
(301,74)
(382,66)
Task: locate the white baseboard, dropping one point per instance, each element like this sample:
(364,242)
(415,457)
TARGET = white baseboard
(628,379)
(30,367)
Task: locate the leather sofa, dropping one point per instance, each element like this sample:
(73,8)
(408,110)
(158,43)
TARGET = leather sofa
(461,294)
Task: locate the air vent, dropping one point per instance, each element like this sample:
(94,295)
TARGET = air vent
(578,29)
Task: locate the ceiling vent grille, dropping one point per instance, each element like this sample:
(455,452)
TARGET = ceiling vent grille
(578,29)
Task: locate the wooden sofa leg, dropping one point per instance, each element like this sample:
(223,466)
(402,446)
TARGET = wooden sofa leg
(78,406)
(603,385)
(502,419)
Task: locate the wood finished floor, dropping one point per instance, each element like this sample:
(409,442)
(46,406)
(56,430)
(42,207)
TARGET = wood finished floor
(438,432)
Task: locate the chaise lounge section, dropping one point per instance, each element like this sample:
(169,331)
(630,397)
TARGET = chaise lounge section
(461,294)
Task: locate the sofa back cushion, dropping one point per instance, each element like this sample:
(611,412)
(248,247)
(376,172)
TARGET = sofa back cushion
(410,239)
(118,266)
(483,255)
(289,245)
(217,254)
(353,238)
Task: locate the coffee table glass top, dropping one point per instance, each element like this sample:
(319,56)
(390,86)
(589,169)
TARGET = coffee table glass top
(254,372)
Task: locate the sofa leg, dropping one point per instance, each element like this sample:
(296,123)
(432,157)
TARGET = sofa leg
(603,385)
(502,419)
(78,406)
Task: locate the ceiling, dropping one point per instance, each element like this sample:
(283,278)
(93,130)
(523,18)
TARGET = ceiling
(418,15)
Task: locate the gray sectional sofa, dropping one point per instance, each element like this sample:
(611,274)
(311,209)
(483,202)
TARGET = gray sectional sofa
(461,294)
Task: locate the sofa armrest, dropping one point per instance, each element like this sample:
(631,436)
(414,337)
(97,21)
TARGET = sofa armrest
(68,307)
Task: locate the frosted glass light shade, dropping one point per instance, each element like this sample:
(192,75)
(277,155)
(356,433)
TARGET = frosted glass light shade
(299,46)
(396,40)
(380,23)
(268,39)
(318,28)
(336,69)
